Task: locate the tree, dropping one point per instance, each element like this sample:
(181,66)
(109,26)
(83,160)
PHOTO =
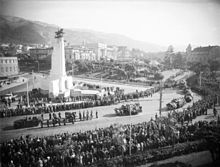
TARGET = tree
(130,70)
(170,49)
(178,61)
(198,67)
(168,59)
(81,66)
(158,76)
(214,65)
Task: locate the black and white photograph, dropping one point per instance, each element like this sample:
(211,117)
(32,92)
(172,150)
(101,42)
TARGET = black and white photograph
(109,83)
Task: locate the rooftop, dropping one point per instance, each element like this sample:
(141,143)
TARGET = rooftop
(204,49)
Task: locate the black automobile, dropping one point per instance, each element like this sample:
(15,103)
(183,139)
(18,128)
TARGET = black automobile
(26,122)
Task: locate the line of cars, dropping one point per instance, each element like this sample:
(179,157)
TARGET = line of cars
(128,109)
(27,122)
(181,101)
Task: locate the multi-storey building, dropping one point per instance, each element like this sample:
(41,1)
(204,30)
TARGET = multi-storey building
(99,49)
(112,52)
(203,54)
(41,53)
(79,53)
(8,66)
(124,54)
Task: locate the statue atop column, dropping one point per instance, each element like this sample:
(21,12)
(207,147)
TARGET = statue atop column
(59,33)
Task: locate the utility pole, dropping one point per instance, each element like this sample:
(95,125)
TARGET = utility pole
(200,79)
(72,67)
(160,97)
(130,133)
(27,93)
(33,78)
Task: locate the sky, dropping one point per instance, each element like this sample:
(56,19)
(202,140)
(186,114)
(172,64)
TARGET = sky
(162,22)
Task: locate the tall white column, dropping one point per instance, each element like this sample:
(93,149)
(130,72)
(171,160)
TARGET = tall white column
(58,59)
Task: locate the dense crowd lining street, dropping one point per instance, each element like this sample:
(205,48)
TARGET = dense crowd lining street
(106,135)
(91,146)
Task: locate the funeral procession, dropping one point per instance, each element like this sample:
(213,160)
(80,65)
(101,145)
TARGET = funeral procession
(109,84)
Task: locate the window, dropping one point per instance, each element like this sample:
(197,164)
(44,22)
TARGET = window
(10,69)
(2,69)
(6,69)
(9,61)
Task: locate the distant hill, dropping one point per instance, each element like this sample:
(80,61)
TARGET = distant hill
(18,30)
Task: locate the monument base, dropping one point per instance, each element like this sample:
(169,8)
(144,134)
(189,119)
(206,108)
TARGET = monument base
(57,87)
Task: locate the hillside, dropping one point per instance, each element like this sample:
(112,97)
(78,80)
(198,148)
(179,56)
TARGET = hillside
(18,30)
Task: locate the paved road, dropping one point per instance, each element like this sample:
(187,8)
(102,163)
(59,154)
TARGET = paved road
(18,87)
(126,86)
(106,117)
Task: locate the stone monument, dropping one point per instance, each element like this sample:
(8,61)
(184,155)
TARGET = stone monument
(58,83)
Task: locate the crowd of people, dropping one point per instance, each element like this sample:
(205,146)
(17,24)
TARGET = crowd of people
(44,105)
(86,148)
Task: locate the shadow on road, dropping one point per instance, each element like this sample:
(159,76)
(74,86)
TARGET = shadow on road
(8,128)
(164,109)
(109,115)
(180,92)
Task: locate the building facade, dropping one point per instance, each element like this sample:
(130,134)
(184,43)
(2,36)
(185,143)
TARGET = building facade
(41,53)
(8,66)
(124,54)
(203,54)
(112,52)
(73,53)
(99,49)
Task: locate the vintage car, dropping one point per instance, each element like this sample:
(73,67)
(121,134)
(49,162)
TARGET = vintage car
(171,106)
(176,103)
(188,95)
(169,83)
(26,122)
(182,84)
(70,117)
(128,109)
(54,120)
